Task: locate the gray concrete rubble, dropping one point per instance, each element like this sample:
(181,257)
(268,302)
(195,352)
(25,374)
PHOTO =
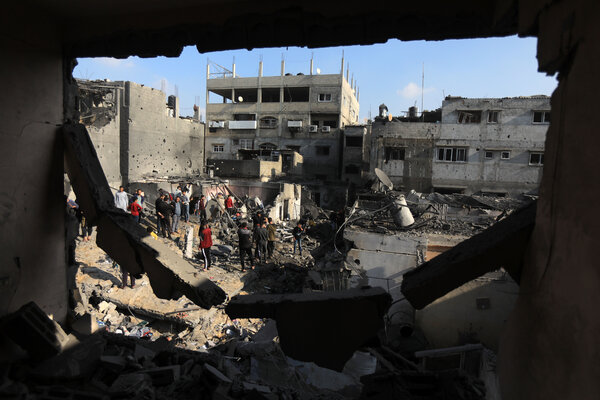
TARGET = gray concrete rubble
(309,325)
(501,246)
(124,240)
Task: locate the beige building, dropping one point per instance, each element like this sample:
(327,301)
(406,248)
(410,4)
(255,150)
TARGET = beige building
(304,113)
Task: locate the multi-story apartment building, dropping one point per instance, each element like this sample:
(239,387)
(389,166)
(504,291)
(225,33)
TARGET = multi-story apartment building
(479,145)
(304,113)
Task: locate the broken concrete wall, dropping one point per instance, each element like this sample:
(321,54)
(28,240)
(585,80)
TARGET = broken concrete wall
(159,143)
(32,209)
(287,205)
(475,312)
(99,107)
(411,166)
(385,258)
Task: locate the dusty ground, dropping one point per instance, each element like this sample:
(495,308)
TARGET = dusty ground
(137,311)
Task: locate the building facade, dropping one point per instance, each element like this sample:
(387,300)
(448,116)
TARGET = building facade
(303,113)
(491,146)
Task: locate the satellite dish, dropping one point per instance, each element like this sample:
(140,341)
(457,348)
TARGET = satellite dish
(240,99)
(383,178)
(318,71)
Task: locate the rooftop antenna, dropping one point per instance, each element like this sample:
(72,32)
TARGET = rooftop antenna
(422,91)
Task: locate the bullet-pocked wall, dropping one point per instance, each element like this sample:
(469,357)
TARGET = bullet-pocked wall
(154,140)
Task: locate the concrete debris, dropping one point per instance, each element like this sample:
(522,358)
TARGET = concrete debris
(501,246)
(34,331)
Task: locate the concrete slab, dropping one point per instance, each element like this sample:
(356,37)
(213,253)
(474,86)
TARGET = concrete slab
(501,246)
(325,328)
(123,239)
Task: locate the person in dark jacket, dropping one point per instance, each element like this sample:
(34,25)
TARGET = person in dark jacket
(205,245)
(297,233)
(164,211)
(202,208)
(261,238)
(245,242)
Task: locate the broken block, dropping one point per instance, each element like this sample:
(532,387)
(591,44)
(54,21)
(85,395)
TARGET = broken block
(164,375)
(325,328)
(34,331)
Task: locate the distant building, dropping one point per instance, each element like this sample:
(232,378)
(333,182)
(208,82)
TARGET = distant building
(476,145)
(303,113)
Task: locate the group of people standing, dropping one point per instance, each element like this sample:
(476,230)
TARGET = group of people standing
(170,209)
(133,204)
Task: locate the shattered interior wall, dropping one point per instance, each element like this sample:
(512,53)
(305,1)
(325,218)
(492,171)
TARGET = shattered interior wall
(287,204)
(32,229)
(100,111)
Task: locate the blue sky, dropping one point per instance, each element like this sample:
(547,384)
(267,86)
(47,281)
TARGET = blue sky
(387,73)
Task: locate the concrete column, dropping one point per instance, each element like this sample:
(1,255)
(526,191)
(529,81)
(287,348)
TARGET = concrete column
(189,242)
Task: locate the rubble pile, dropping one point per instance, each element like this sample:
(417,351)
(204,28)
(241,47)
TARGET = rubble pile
(454,214)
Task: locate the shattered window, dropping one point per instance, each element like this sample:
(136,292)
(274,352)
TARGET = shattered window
(455,154)
(246,144)
(354,141)
(536,158)
(493,117)
(394,153)
(505,155)
(541,117)
(324,96)
(322,150)
(469,117)
(268,122)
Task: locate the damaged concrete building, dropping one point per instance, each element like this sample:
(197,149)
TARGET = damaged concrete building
(549,345)
(306,113)
(477,145)
(138,133)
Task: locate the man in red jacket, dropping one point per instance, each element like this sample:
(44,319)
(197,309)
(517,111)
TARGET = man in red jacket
(229,204)
(205,244)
